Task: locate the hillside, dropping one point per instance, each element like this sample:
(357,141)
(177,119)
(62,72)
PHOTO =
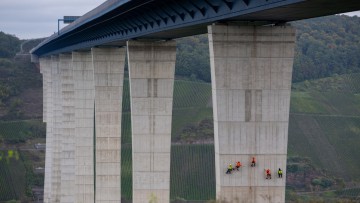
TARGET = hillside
(20,83)
(324,47)
(325,119)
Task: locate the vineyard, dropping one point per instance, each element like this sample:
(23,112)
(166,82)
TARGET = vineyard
(324,124)
(192,172)
(12,176)
(12,132)
(353,193)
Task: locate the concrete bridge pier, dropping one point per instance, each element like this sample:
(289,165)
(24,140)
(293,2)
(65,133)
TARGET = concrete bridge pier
(46,70)
(109,76)
(84,93)
(251,70)
(68,129)
(152,68)
(57,130)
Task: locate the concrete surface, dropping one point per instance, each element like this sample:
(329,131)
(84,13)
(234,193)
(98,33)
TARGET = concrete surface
(109,76)
(68,130)
(152,68)
(57,130)
(46,70)
(84,126)
(251,70)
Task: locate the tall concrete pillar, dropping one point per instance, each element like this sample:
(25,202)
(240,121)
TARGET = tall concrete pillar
(109,75)
(152,68)
(57,130)
(67,155)
(46,69)
(83,74)
(251,70)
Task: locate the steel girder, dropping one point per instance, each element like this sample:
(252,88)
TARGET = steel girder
(163,19)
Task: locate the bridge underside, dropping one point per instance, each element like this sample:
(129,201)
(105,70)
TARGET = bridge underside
(169,19)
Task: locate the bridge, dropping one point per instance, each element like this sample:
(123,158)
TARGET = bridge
(251,52)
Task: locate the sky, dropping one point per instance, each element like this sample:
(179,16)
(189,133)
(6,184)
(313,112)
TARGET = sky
(28,19)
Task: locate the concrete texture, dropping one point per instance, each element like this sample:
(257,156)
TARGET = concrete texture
(152,68)
(46,70)
(83,74)
(57,130)
(251,70)
(109,75)
(68,130)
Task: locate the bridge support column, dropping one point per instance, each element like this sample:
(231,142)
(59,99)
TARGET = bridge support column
(251,70)
(68,130)
(84,126)
(57,130)
(152,68)
(108,74)
(46,70)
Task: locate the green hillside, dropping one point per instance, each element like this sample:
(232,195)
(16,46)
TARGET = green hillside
(324,47)
(325,124)
(12,176)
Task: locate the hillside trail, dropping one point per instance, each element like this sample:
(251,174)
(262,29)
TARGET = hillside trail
(321,145)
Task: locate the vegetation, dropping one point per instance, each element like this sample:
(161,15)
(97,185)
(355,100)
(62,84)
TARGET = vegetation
(325,47)
(12,176)
(9,45)
(192,172)
(193,60)
(13,132)
(32,180)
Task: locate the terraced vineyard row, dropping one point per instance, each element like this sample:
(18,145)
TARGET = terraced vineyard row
(186,94)
(353,193)
(19,131)
(7,188)
(192,172)
(191,94)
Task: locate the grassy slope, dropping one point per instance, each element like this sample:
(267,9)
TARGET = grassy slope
(12,177)
(323,126)
(14,134)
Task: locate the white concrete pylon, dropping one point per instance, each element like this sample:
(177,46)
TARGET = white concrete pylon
(44,69)
(251,69)
(68,129)
(109,76)
(45,65)
(152,68)
(84,126)
(57,130)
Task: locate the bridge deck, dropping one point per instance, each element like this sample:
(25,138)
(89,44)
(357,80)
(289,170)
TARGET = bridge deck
(116,21)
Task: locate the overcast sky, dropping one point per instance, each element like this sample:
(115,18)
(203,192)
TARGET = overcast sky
(29,19)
